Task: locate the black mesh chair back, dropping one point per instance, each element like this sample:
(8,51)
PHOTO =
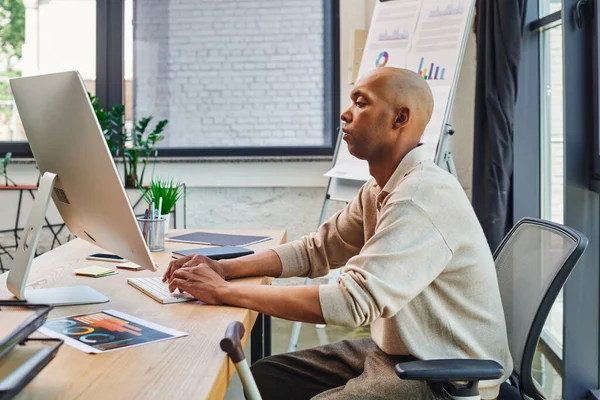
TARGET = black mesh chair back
(533,263)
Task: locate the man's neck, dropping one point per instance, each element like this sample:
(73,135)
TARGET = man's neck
(384,167)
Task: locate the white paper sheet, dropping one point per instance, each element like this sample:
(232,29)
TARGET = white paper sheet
(390,35)
(437,41)
(425,36)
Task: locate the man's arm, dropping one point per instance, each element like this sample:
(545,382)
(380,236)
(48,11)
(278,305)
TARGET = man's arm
(297,303)
(340,238)
(337,240)
(402,258)
(266,263)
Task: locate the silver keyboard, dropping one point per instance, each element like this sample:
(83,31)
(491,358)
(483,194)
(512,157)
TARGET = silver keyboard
(157,289)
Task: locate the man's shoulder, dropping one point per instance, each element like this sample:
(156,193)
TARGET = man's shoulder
(442,199)
(426,182)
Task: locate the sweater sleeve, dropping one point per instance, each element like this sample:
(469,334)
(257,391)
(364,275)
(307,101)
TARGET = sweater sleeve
(404,256)
(335,242)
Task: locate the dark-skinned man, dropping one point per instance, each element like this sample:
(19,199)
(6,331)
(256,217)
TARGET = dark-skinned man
(416,266)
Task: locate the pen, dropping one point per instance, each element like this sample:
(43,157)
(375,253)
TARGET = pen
(159,206)
(152,210)
(147,223)
(144,226)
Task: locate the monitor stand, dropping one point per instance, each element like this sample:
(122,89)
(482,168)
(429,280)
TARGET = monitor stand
(17,276)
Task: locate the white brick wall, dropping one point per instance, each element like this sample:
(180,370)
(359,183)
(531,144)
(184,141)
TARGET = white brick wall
(151,53)
(231,72)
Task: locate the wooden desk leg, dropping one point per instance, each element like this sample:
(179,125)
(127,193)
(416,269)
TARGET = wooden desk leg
(256,340)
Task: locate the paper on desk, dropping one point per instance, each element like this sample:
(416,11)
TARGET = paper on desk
(130,266)
(95,271)
(106,331)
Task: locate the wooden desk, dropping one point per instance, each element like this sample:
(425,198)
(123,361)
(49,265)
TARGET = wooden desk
(192,367)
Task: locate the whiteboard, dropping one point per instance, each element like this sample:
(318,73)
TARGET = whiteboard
(425,36)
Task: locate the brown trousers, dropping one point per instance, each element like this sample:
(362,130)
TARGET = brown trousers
(351,369)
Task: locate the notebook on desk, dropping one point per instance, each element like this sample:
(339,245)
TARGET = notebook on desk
(218,239)
(216,253)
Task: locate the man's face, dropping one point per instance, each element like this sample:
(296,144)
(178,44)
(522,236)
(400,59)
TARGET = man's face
(368,120)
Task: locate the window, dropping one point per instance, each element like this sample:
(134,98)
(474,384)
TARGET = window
(548,7)
(552,180)
(128,62)
(558,100)
(233,78)
(235,74)
(547,33)
(552,135)
(43,37)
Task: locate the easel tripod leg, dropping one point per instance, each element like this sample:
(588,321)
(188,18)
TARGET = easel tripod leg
(293,346)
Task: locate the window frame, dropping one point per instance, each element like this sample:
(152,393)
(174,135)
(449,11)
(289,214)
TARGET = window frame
(529,168)
(581,344)
(110,87)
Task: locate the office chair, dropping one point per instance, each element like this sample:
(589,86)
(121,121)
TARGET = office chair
(533,263)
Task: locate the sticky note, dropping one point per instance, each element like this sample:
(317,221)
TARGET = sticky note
(130,266)
(94,271)
(107,274)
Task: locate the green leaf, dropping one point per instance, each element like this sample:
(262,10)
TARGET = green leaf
(134,146)
(12,29)
(170,190)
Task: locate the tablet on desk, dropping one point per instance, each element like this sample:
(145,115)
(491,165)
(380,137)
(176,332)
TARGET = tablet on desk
(215,253)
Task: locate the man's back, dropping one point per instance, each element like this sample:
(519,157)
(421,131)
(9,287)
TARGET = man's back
(416,267)
(459,315)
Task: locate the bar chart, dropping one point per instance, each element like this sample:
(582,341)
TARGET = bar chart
(397,34)
(453,7)
(434,72)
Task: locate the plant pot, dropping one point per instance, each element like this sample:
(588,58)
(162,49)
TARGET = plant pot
(131,182)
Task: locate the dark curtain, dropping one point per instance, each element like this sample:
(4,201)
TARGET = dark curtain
(499,29)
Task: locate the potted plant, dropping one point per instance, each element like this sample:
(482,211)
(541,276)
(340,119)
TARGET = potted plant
(134,147)
(4,169)
(169,191)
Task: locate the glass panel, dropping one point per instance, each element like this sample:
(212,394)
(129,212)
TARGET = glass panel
(128,61)
(43,37)
(231,74)
(549,6)
(552,189)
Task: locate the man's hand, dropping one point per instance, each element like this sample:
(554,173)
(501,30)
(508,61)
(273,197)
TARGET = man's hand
(195,260)
(206,280)
(202,282)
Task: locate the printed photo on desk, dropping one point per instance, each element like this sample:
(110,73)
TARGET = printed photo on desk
(107,330)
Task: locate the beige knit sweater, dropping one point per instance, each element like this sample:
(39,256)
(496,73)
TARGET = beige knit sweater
(417,268)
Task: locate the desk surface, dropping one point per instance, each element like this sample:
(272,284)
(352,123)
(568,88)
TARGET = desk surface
(190,367)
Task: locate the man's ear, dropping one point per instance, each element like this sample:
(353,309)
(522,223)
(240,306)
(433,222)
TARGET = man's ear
(402,118)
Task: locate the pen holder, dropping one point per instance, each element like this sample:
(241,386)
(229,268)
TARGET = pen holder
(153,231)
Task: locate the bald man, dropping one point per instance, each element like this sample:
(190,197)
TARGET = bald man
(416,266)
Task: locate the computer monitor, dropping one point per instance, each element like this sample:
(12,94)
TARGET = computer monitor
(79,173)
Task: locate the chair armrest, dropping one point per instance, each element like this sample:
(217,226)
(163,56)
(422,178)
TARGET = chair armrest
(450,370)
